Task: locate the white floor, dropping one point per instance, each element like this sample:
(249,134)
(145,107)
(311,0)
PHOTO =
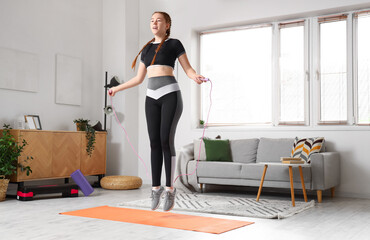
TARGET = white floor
(338,218)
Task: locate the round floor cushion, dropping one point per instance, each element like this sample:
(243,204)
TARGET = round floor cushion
(121,182)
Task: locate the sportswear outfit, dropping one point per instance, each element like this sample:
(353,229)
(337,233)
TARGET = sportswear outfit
(163,108)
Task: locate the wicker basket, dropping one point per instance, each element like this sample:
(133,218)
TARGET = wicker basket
(121,182)
(3,187)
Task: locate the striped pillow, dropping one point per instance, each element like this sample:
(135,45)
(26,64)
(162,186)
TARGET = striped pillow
(305,147)
(298,147)
(315,145)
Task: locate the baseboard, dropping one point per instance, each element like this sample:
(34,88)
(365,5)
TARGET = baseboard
(352,195)
(251,190)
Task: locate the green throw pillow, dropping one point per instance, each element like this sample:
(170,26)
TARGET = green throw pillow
(217,150)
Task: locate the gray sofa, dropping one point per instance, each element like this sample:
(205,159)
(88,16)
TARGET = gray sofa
(323,174)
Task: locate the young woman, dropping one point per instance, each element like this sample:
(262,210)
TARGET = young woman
(163,104)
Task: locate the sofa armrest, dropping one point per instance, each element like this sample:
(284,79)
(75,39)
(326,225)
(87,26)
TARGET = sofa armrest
(188,149)
(185,166)
(325,170)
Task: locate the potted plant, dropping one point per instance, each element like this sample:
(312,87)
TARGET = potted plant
(201,123)
(10,150)
(83,125)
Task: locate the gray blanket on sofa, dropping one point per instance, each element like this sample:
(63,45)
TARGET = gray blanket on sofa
(187,183)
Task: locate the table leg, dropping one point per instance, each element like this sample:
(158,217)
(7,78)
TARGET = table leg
(291,184)
(303,186)
(261,184)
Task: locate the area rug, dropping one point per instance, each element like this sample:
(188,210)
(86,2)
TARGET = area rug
(160,219)
(236,206)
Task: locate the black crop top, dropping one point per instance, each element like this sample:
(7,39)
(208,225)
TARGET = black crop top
(170,50)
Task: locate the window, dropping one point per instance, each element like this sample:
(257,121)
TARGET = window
(333,69)
(307,71)
(292,65)
(239,64)
(363,67)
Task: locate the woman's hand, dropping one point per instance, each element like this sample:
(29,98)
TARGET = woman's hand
(112,91)
(190,72)
(198,78)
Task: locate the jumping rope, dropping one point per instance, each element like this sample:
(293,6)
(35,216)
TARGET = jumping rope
(204,129)
(128,139)
(200,144)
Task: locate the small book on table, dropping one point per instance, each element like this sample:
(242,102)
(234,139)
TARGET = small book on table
(292,160)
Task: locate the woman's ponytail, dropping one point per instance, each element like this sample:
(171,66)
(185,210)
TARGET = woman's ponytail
(134,62)
(157,50)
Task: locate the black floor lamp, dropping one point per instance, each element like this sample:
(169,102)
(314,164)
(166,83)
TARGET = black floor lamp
(113,82)
(107,110)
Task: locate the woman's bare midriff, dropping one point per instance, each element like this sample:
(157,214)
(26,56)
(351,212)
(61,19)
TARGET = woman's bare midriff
(157,71)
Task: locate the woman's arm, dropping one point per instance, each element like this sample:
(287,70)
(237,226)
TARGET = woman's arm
(138,79)
(183,59)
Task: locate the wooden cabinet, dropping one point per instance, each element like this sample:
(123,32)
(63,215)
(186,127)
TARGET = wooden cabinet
(40,148)
(94,165)
(66,154)
(57,154)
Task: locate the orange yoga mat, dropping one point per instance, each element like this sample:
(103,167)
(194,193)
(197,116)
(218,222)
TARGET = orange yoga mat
(161,219)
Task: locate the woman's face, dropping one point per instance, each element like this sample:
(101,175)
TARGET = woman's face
(158,24)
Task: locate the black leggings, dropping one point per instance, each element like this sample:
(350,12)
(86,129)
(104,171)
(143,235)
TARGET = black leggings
(162,116)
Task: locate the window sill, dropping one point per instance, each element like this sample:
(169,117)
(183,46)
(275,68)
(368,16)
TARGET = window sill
(284,128)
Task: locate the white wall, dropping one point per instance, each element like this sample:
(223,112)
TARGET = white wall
(107,35)
(47,28)
(120,44)
(85,29)
(191,16)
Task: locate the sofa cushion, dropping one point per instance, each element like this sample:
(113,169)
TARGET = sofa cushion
(312,145)
(217,150)
(202,156)
(272,149)
(244,150)
(305,147)
(219,169)
(297,147)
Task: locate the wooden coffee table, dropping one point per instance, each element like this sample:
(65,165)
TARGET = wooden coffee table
(300,166)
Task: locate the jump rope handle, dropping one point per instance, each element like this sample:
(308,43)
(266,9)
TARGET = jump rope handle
(110,91)
(204,79)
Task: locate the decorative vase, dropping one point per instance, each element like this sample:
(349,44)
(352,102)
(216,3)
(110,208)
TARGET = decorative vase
(3,187)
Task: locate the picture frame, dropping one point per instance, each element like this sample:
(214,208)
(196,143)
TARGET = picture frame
(33,121)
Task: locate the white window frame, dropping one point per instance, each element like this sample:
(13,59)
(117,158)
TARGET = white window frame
(355,67)
(276,88)
(317,72)
(312,117)
(350,77)
(272,77)
(355,71)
